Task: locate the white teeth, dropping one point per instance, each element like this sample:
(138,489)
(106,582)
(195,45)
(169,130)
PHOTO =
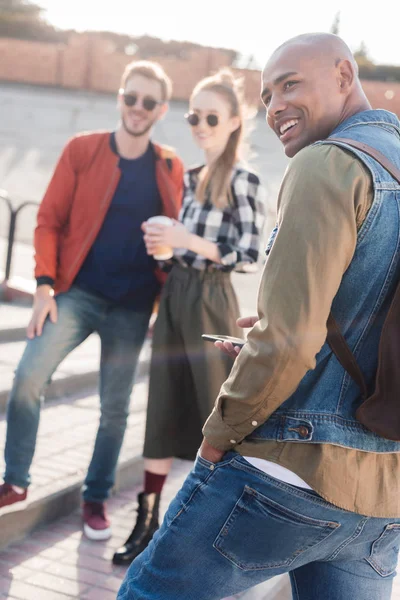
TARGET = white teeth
(287,125)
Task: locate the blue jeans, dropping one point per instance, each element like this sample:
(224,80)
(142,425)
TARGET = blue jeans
(232,526)
(122,332)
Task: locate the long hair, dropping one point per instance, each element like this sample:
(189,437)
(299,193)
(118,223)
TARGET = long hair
(215,179)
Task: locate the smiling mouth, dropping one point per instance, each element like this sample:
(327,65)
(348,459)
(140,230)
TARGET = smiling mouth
(286,129)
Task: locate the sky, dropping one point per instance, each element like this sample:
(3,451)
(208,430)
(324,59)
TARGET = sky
(253,27)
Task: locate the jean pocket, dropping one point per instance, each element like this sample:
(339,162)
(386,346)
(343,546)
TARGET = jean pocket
(262,534)
(203,462)
(385,551)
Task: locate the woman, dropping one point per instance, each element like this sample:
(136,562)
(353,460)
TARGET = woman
(219,228)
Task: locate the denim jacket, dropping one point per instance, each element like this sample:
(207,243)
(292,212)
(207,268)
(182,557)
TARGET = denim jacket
(322,408)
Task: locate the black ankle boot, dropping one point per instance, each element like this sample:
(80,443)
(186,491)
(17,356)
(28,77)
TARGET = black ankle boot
(146,526)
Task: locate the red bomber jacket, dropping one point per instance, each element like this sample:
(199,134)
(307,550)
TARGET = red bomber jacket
(77,200)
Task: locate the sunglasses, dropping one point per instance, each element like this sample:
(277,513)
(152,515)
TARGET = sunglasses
(148,102)
(193,119)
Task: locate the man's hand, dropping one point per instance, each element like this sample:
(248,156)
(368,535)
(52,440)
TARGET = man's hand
(228,347)
(44,304)
(210,453)
(247,322)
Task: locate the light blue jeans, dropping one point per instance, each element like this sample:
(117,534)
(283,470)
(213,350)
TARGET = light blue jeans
(122,332)
(231,527)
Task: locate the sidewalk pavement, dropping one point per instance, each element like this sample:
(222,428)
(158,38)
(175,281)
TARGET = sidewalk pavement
(58,563)
(65,442)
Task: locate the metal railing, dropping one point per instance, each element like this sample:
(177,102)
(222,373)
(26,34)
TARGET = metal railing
(13,217)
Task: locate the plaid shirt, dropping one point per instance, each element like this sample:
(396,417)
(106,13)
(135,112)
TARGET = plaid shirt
(236,229)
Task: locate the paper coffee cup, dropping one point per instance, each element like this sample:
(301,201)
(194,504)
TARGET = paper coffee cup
(162,252)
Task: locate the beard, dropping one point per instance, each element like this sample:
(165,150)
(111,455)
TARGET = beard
(140,132)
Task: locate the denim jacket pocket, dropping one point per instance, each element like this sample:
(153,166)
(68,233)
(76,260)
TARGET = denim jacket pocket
(385,550)
(262,534)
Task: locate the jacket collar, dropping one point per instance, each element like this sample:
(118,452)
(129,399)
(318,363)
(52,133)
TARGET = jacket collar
(370,117)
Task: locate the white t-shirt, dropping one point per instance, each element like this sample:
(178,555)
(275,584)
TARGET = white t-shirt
(277,471)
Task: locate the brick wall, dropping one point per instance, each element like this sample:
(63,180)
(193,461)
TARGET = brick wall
(94,64)
(33,62)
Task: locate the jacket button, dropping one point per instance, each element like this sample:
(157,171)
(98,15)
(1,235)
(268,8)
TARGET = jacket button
(303,431)
(233,441)
(254,423)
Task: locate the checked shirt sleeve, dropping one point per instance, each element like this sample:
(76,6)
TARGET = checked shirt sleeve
(248,218)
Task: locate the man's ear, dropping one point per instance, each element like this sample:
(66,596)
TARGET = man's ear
(346,75)
(163,110)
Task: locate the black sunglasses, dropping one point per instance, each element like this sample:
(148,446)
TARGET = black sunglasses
(193,119)
(148,102)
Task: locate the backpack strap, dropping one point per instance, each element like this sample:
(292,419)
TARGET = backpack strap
(335,338)
(344,355)
(378,156)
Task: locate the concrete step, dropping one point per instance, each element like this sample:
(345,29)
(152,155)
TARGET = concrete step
(79,371)
(13,322)
(65,443)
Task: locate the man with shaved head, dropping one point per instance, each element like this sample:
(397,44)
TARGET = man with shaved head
(287,480)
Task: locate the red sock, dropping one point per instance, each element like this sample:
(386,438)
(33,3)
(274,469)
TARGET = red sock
(153,483)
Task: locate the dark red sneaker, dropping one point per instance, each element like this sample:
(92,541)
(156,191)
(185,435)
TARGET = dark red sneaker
(96,524)
(9,496)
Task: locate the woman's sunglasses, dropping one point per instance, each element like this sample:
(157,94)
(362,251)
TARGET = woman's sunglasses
(193,119)
(148,102)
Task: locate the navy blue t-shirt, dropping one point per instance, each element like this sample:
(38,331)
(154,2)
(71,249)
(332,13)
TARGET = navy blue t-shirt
(117,266)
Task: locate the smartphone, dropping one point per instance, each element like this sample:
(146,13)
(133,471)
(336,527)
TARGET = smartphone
(210,337)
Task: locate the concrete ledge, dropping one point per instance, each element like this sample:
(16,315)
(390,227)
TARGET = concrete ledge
(17,290)
(70,385)
(13,334)
(61,388)
(16,524)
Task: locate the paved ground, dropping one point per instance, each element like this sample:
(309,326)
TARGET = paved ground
(66,437)
(58,563)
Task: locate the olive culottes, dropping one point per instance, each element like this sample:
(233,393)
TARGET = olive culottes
(186,372)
